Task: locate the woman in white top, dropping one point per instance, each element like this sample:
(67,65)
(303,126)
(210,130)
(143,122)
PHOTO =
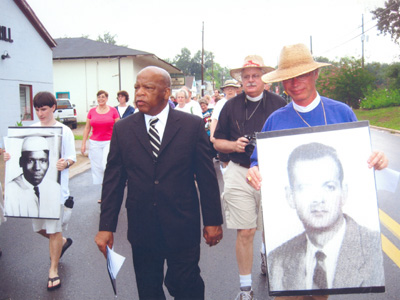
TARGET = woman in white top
(184,104)
(124,110)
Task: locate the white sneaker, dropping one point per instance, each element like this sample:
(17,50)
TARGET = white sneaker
(263,263)
(245,295)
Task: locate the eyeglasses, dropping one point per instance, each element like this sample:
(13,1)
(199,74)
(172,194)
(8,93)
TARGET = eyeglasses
(254,77)
(301,78)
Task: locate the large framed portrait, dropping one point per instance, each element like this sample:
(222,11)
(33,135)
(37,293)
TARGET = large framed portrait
(320,211)
(32,181)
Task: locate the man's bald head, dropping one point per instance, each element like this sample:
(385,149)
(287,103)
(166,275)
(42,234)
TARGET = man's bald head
(152,90)
(159,71)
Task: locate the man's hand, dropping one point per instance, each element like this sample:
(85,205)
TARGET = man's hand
(6,156)
(61,164)
(253,177)
(212,234)
(378,160)
(240,144)
(104,239)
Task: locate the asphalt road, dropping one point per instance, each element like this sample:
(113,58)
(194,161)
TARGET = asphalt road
(25,261)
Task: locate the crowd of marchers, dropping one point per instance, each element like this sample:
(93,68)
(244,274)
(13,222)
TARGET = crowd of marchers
(162,149)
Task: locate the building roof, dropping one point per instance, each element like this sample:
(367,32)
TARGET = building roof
(31,16)
(83,48)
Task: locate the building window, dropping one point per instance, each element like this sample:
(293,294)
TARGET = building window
(25,100)
(62,95)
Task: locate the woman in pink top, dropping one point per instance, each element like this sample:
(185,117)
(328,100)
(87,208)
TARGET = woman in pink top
(100,120)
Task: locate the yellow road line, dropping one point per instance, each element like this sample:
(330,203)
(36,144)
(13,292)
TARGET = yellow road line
(389,223)
(391,250)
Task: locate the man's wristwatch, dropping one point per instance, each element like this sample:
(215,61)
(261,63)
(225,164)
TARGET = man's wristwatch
(67,164)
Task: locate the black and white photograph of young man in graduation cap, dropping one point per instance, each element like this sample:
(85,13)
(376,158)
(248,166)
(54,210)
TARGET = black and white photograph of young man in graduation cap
(32,180)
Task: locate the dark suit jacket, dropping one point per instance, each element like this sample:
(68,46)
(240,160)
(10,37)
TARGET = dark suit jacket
(162,194)
(360,262)
(129,111)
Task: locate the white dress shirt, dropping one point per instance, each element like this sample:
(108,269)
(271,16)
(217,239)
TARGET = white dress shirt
(331,250)
(162,121)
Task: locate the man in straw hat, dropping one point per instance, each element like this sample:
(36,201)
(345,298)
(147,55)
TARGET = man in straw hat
(240,118)
(298,71)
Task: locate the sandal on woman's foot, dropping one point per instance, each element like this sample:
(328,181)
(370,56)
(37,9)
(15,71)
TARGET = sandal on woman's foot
(53,287)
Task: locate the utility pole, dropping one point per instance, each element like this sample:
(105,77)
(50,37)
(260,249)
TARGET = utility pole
(202,62)
(362,41)
(119,71)
(212,71)
(311,44)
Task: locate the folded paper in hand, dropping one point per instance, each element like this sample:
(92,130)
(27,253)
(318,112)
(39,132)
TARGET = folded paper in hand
(114,264)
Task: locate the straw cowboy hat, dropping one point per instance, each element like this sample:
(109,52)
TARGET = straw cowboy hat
(295,60)
(230,82)
(251,61)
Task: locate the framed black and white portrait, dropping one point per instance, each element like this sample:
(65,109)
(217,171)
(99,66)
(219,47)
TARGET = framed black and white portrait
(320,211)
(32,181)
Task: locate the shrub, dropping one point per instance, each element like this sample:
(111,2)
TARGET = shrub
(380,98)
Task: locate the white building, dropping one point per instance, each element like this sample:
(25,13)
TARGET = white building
(26,65)
(82,67)
(32,61)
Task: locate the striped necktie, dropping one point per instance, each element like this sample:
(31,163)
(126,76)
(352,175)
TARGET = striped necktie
(154,137)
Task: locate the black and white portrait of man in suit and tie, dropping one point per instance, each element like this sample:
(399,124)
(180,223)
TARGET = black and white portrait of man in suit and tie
(32,182)
(322,230)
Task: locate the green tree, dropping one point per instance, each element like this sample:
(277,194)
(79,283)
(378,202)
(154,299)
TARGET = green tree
(380,72)
(388,19)
(107,38)
(393,74)
(183,61)
(325,80)
(345,81)
(191,66)
(213,72)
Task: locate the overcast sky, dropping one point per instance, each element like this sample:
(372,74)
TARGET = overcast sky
(232,28)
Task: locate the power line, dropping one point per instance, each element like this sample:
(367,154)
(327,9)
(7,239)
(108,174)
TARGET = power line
(360,34)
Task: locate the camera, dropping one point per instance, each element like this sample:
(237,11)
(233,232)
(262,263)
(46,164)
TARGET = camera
(249,148)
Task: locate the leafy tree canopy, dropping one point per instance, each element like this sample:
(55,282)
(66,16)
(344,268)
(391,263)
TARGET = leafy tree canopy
(107,38)
(388,19)
(191,66)
(345,81)
(393,74)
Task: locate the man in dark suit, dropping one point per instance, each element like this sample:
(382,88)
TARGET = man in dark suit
(333,251)
(162,201)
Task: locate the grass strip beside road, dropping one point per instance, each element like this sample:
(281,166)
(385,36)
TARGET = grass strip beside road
(388,117)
